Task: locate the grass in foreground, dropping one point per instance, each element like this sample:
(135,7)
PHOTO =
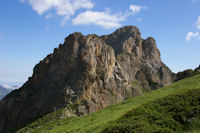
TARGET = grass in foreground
(99,121)
(171,114)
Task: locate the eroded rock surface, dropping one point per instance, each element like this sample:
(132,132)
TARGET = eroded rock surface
(86,74)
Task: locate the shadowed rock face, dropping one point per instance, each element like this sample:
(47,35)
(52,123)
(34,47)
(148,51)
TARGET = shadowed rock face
(90,72)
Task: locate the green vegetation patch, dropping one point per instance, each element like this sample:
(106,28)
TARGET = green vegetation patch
(101,120)
(166,115)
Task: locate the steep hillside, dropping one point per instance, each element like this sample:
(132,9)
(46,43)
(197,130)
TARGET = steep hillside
(186,73)
(173,113)
(174,108)
(87,73)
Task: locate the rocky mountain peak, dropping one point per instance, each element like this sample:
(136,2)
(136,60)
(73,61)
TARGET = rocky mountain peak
(127,30)
(117,38)
(87,73)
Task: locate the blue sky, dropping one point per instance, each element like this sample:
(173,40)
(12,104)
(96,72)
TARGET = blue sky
(31,29)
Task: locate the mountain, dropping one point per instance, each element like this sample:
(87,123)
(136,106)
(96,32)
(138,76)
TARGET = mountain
(197,69)
(186,73)
(4,91)
(171,109)
(86,74)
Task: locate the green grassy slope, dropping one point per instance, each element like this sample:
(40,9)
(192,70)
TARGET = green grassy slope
(101,120)
(173,113)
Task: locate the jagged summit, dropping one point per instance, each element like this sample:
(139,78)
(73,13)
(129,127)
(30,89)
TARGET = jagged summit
(117,38)
(127,30)
(87,73)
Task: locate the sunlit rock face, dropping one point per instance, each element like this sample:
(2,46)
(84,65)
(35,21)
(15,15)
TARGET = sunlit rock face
(87,73)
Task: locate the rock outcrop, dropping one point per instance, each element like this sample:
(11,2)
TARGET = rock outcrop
(186,73)
(197,69)
(86,74)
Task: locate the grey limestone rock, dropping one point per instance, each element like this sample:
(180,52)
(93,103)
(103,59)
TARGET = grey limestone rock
(87,73)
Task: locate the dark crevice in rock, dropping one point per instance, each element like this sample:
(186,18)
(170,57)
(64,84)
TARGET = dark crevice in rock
(90,72)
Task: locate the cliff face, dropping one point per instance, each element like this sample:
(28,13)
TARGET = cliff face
(87,73)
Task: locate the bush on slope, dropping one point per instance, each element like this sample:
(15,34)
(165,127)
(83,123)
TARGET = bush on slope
(166,115)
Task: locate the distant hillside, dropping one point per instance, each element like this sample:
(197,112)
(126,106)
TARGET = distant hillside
(174,108)
(186,73)
(4,91)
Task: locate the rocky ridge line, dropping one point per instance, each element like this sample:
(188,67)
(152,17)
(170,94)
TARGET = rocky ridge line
(86,74)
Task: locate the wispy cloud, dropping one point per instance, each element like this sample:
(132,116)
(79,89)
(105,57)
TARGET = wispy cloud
(106,19)
(196,35)
(12,80)
(191,35)
(139,19)
(64,8)
(48,16)
(136,8)
(198,23)
(68,8)
(10,87)
(103,19)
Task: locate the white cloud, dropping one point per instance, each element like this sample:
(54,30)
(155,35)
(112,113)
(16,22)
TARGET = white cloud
(67,8)
(136,8)
(194,34)
(64,8)
(139,19)
(198,23)
(191,35)
(48,16)
(103,19)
